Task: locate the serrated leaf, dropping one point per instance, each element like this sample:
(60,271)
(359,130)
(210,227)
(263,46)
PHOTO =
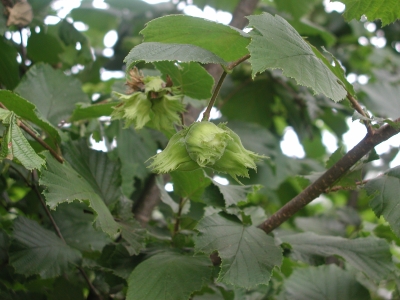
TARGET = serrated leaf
(369,255)
(40,251)
(15,145)
(191,78)
(248,255)
(190,184)
(132,162)
(306,28)
(233,194)
(26,110)
(64,184)
(386,10)
(53,92)
(97,169)
(385,191)
(85,111)
(222,40)
(323,225)
(382,98)
(279,46)
(327,282)
(167,276)
(134,235)
(76,226)
(154,52)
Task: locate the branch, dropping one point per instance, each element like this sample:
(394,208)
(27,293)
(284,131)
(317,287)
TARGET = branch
(36,138)
(329,177)
(358,108)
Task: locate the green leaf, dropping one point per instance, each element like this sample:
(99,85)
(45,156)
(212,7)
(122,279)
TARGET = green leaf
(192,79)
(278,45)
(369,255)
(222,40)
(15,145)
(306,28)
(53,92)
(64,184)
(134,235)
(167,276)
(153,52)
(386,10)
(87,111)
(97,169)
(226,5)
(26,110)
(9,73)
(257,108)
(77,228)
(40,251)
(48,54)
(248,255)
(71,36)
(323,225)
(132,162)
(327,282)
(190,184)
(297,8)
(233,194)
(385,191)
(382,98)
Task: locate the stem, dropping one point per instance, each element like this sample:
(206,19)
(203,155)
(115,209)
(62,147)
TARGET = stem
(358,108)
(206,115)
(329,177)
(36,138)
(340,188)
(178,216)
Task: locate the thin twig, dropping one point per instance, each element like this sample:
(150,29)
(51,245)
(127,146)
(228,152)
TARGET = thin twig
(23,50)
(329,177)
(341,188)
(36,138)
(354,103)
(206,115)
(178,215)
(91,286)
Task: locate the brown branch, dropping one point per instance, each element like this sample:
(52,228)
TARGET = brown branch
(354,103)
(36,138)
(329,177)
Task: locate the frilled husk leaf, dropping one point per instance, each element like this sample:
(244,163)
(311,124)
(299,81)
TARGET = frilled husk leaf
(206,142)
(165,112)
(236,159)
(134,108)
(173,157)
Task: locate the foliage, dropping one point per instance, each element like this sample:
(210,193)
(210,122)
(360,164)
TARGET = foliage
(83,214)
